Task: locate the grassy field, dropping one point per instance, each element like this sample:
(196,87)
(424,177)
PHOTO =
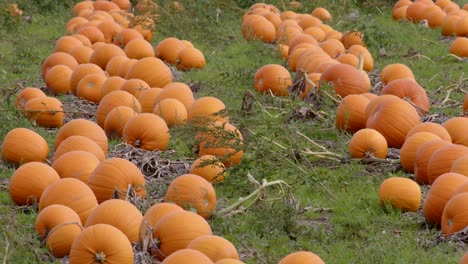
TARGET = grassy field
(324,206)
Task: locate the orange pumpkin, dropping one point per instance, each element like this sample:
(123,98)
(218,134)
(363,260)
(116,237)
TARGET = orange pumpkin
(52,216)
(126,35)
(172,111)
(357,50)
(76,164)
(146,131)
(258,27)
(322,14)
(399,13)
(423,154)
(104,54)
(118,213)
(116,120)
(112,100)
(441,161)
(139,49)
(214,247)
(411,146)
(454,216)
(194,193)
(408,89)
(22,145)
(89,87)
(176,90)
(92,33)
(82,127)
(152,217)
(66,43)
(376,101)
(190,58)
(111,84)
(459,47)
(460,165)
(274,78)
(29,182)
(206,110)
(101,243)
(301,257)
(345,79)
(27,94)
(431,127)
(151,70)
(332,47)
(114,64)
(61,237)
(401,193)
(113,177)
(147,98)
(72,193)
(229,261)
(168,49)
(208,167)
(457,127)
(351,113)
(368,143)
(187,255)
(395,71)
(134,86)
(45,111)
(82,54)
(81,71)
(77,142)
(58,58)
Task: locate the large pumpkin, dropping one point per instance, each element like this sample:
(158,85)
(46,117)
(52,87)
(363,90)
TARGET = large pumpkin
(455,214)
(206,110)
(351,113)
(116,120)
(345,79)
(411,146)
(457,127)
(441,161)
(73,143)
(76,164)
(89,87)
(303,257)
(82,127)
(172,111)
(60,238)
(368,143)
(146,131)
(52,216)
(113,177)
(80,71)
(400,193)
(187,255)
(134,86)
(151,70)
(209,167)
(408,89)
(396,71)
(57,58)
(215,247)
(147,99)
(101,243)
(22,145)
(190,58)
(423,154)
(112,100)
(460,165)
(27,94)
(152,217)
(176,90)
(192,192)
(45,111)
(431,127)
(274,78)
(58,79)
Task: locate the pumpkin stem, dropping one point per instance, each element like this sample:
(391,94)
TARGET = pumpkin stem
(101,257)
(138,143)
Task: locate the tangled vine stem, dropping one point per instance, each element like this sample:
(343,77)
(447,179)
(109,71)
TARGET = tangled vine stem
(324,153)
(255,195)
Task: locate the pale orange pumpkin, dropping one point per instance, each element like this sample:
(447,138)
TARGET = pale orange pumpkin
(151,70)
(116,120)
(322,14)
(345,80)
(22,145)
(301,257)
(82,127)
(399,13)
(441,161)
(431,127)
(81,71)
(66,43)
(190,58)
(112,100)
(410,90)
(146,131)
(76,164)
(357,50)
(172,111)
(351,113)
(60,238)
(258,27)
(45,111)
(147,99)
(168,49)
(52,216)
(104,54)
(460,165)
(138,49)
(367,143)
(126,35)
(92,33)
(89,87)
(395,71)
(423,154)
(152,217)
(82,54)
(114,64)
(176,90)
(206,110)
(229,261)
(58,58)
(459,47)
(400,193)
(457,127)
(27,94)
(77,142)
(411,146)
(455,214)
(208,167)
(274,78)
(111,84)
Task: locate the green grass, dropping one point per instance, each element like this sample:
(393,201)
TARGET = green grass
(333,210)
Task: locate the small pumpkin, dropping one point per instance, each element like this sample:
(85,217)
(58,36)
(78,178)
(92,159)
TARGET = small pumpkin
(82,127)
(454,216)
(61,237)
(147,98)
(301,257)
(274,78)
(89,87)
(411,146)
(146,131)
(187,255)
(139,49)
(76,164)
(322,14)
(206,110)
(134,86)
(400,193)
(368,143)
(457,127)
(116,120)
(459,47)
(151,219)
(351,113)
(45,111)
(258,27)
(52,216)
(396,71)
(214,247)
(58,79)
(208,167)
(441,161)
(151,70)
(22,145)
(172,111)
(112,100)
(66,43)
(27,94)
(352,38)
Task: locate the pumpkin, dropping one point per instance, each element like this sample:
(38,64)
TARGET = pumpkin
(349,59)
(299,50)
(134,86)
(82,54)
(76,164)
(75,22)
(152,217)
(66,43)
(332,47)
(72,193)
(29,181)
(194,193)
(411,146)
(459,47)
(408,89)
(187,255)
(172,111)
(60,238)
(357,50)
(454,216)
(302,39)
(316,32)
(114,64)
(116,120)
(393,119)
(147,98)
(351,113)
(441,161)
(309,87)
(52,216)
(151,70)
(400,193)
(92,33)
(45,111)
(449,24)
(367,143)
(126,35)
(104,54)
(307,21)
(301,257)
(78,7)
(101,243)
(176,90)
(423,154)
(22,145)
(395,71)
(274,78)
(435,18)
(214,247)
(208,167)
(345,79)
(81,71)
(111,84)
(369,96)
(138,49)
(399,13)
(289,15)
(27,94)
(460,165)
(118,213)
(168,49)
(109,29)
(190,58)
(105,5)
(443,188)
(83,40)
(82,127)
(176,230)
(229,261)
(414,12)
(322,14)
(89,87)
(58,58)
(431,127)
(258,27)
(97,45)
(146,131)
(112,100)
(125,66)
(78,142)
(352,38)
(113,178)
(206,110)
(376,101)
(123,4)
(457,127)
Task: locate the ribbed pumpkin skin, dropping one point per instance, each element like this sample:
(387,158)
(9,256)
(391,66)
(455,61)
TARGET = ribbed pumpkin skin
(73,143)
(423,154)
(66,43)
(22,145)
(60,239)
(408,89)
(134,86)
(89,87)
(118,213)
(111,84)
(72,193)
(116,174)
(80,71)
(214,247)
(45,111)
(101,239)
(443,188)
(27,94)
(58,58)
(82,54)
(258,27)
(395,71)
(147,98)
(351,113)
(401,193)
(192,192)
(332,47)
(367,143)
(76,164)
(58,79)
(113,65)
(457,127)
(274,78)
(190,58)
(112,100)
(441,161)
(126,35)
(139,49)
(151,70)
(82,127)
(303,257)
(176,90)
(345,79)
(208,167)
(226,145)
(206,110)
(54,215)
(376,101)
(29,182)
(172,111)
(455,214)
(152,217)
(116,120)
(460,165)
(146,131)
(430,127)
(411,146)
(168,49)
(104,54)
(187,256)
(176,230)
(393,119)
